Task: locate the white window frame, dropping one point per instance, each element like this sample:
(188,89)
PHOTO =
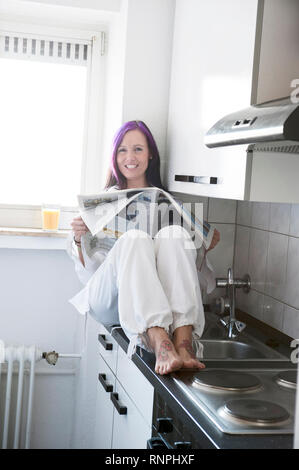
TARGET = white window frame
(29,216)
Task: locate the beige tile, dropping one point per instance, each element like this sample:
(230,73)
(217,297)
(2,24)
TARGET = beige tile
(222,210)
(241,250)
(291,293)
(244,210)
(273,312)
(280,216)
(276,266)
(294,223)
(260,216)
(222,255)
(290,324)
(251,303)
(258,248)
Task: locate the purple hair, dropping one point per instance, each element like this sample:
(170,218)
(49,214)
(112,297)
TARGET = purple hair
(152,173)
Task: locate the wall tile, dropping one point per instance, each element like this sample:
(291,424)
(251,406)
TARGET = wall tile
(276,265)
(290,324)
(258,248)
(265,244)
(222,210)
(193,198)
(292,279)
(242,301)
(241,250)
(251,303)
(273,312)
(260,216)
(294,224)
(280,216)
(244,209)
(222,255)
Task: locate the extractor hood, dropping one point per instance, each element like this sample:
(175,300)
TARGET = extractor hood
(271,117)
(268,122)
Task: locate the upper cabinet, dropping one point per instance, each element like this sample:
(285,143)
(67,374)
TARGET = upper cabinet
(223,58)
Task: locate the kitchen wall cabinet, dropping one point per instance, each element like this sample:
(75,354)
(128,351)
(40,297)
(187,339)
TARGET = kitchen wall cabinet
(124,403)
(214,73)
(213,52)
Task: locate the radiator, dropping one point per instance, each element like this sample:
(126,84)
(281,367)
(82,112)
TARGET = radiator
(16,394)
(17,360)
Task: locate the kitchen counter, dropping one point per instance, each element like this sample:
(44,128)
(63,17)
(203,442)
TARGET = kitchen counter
(197,423)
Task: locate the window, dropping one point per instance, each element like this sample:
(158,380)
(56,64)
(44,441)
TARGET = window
(48,97)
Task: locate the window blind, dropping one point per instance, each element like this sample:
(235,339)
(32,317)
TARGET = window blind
(29,47)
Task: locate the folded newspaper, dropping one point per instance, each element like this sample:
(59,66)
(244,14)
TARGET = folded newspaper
(109,214)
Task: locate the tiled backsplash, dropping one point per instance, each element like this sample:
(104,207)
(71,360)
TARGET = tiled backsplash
(261,239)
(267,247)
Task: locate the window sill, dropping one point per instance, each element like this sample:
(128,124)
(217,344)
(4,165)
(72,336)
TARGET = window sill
(32,238)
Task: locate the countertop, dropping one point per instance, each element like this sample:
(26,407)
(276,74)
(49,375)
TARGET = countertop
(196,421)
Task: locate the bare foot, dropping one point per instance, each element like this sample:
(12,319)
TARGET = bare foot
(186,353)
(167,358)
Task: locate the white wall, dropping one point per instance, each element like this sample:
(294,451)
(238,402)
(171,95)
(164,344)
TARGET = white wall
(35,288)
(138,69)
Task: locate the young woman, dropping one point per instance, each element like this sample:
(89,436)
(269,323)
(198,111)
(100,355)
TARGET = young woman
(148,285)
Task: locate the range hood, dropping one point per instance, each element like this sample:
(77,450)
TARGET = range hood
(271,116)
(268,122)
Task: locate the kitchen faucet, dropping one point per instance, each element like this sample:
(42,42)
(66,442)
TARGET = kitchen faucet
(230,322)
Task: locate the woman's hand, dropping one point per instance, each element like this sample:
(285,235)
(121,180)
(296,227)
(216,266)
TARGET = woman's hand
(79,228)
(215,240)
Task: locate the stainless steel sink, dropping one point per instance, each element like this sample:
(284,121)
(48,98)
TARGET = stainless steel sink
(216,345)
(233,349)
(229,349)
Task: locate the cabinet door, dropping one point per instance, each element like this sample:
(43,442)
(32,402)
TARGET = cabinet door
(130,430)
(139,389)
(104,407)
(108,347)
(212,64)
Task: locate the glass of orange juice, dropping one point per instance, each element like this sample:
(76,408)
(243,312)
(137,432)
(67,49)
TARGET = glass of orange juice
(50,217)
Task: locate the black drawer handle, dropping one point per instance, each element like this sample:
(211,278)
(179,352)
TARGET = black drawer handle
(107,346)
(199,179)
(107,387)
(183,445)
(122,410)
(164,425)
(156,443)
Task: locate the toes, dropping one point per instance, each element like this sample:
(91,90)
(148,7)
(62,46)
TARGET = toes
(163,369)
(193,364)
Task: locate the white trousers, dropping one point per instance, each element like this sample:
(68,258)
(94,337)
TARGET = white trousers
(147,282)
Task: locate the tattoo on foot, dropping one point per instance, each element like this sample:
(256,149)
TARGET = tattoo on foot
(164,347)
(186,344)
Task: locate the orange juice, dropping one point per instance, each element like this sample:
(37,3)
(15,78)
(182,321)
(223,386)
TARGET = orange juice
(50,218)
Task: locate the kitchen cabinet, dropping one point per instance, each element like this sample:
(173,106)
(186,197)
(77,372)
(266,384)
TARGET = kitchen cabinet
(104,406)
(130,430)
(217,56)
(124,403)
(213,52)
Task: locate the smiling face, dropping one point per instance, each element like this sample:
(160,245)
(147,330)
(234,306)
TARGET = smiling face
(133,157)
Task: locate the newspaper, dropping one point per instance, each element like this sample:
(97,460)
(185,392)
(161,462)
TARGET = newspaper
(109,214)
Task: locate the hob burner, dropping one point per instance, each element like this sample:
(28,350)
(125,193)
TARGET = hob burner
(228,380)
(255,411)
(287,378)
